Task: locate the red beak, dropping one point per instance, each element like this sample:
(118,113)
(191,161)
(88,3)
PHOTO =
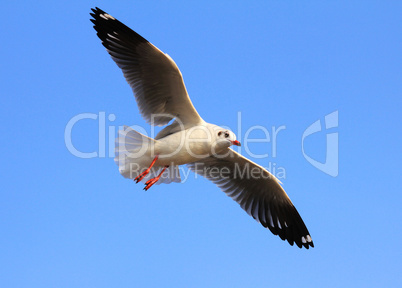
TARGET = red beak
(237,143)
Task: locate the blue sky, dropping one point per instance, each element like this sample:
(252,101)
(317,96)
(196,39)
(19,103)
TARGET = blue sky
(73,222)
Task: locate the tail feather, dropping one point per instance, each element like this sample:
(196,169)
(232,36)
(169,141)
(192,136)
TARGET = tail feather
(133,155)
(131,147)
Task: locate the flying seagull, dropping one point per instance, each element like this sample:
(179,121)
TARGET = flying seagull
(161,96)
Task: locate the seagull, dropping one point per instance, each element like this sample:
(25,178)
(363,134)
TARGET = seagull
(161,96)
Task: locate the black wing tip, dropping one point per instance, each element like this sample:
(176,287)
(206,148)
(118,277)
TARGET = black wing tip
(293,230)
(302,241)
(106,25)
(97,11)
(306,242)
(99,15)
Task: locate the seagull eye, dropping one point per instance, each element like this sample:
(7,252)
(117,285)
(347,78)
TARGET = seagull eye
(226,135)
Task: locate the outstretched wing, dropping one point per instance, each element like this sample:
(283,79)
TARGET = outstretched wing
(258,192)
(154,77)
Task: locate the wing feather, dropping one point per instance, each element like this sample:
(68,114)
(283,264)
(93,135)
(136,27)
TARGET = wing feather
(258,192)
(154,77)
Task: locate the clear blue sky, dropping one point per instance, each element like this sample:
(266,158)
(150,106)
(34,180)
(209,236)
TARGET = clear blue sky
(73,222)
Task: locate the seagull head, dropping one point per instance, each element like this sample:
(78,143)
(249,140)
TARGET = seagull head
(227,138)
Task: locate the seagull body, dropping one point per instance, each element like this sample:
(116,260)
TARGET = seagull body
(161,96)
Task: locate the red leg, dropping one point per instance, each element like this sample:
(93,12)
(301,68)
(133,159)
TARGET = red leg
(143,174)
(152,181)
